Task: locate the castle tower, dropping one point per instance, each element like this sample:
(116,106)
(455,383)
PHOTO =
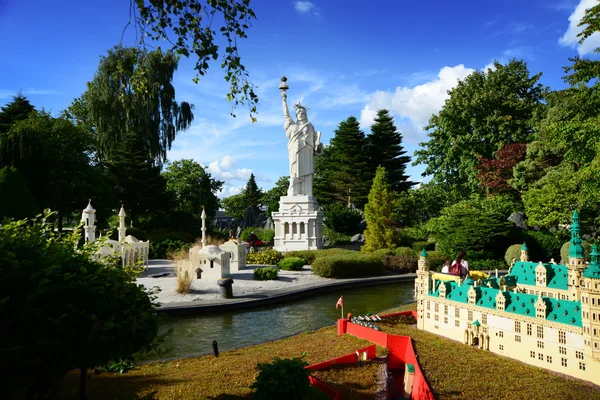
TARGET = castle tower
(524,253)
(122,228)
(203,217)
(422,287)
(88,217)
(576,263)
(591,290)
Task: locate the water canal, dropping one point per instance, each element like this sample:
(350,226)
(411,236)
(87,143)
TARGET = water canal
(232,329)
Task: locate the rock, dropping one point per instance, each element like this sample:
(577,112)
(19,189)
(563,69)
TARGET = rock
(358,238)
(519,219)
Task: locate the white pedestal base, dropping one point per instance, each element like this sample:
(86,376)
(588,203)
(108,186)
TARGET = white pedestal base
(298,224)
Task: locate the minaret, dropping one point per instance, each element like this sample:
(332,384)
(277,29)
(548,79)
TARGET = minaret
(524,253)
(122,228)
(590,290)
(422,288)
(576,260)
(88,217)
(203,216)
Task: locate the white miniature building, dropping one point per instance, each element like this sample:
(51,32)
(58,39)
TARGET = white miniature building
(237,254)
(213,262)
(298,224)
(88,217)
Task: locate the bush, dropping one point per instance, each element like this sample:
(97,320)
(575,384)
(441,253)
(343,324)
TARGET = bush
(183,221)
(340,218)
(265,274)
(19,203)
(136,233)
(162,249)
(265,235)
(513,251)
(160,235)
(266,257)
(292,263)
(418,246)
(311,255)
(284,378)
(482,265)
(545,245)
(400,251)
(380,253)
(401,264)
(347,266)
(435,260)
(335,238)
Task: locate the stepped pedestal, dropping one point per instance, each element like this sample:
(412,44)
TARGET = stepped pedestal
(298,224)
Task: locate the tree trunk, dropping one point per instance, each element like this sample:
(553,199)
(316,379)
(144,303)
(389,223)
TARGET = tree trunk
(82,383)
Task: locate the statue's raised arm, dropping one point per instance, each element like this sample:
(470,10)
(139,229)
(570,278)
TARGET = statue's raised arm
(286,111)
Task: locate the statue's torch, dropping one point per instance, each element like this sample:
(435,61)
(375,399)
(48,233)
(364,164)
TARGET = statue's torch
(283,86)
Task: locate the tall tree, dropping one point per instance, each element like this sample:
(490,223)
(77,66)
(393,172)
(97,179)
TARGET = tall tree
(191,187)
(494,174)
(385,149)
(380,232)
(484,112)
(252,194)
(235,205)
(119,106)
(17,110)
(341,174)
(583,70)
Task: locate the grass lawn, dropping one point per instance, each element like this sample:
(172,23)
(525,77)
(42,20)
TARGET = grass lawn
(453,370)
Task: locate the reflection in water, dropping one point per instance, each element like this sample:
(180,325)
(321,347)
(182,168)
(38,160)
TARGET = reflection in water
(194,335)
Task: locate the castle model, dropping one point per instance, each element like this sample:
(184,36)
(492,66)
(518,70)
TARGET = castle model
(543,314)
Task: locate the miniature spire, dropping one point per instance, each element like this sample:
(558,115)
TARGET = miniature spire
(122,228)
(576,248)
(593,269)
(423,253)
(203,217)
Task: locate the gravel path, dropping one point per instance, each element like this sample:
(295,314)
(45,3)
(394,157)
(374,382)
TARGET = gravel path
(162,274)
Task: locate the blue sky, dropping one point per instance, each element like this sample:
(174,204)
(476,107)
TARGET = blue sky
(343,59)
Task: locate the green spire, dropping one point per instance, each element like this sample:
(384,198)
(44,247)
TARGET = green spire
(476,323)
(593,270)
(423,253)
(575,249)
(524,247)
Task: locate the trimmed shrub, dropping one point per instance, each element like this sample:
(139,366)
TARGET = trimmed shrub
(513,251)
(347,266)
(400,251)
(266,257)
(340,218)
(479,265)
(311,255)
(335,238)
(418,246)
(292,263)
(401,264)
(547,245)
(564,251)
(284,378)
(265,274)
(265,235)
(380,253)
(435,260)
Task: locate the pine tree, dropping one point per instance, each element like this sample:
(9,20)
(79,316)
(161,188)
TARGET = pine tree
(17,110)
(252,193)
(380,232)
(385,149)
(341,171)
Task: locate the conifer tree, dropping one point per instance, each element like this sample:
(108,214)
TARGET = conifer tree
(252,193)
(17,110)
(385,149)
(380,233)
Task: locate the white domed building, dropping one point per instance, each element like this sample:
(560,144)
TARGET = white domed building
(214,262)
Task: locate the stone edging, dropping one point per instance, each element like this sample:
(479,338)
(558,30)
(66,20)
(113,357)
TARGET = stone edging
(278,296)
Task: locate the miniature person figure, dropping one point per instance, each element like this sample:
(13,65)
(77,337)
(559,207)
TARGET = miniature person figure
(460,266)
(446,267)
(231,234)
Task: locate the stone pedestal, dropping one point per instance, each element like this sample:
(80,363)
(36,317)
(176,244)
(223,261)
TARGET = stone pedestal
(298,224)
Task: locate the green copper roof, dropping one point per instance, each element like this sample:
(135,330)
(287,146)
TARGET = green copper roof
(593,270)
(423,253)
(576,248)
(476,322)
(524,273)
(491,282)
(524,247)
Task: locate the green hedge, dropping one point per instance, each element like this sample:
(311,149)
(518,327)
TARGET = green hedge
(485,265)
(401,264)
(265,274)
(162,249)
(336,238)
(266,235)
(347,266)
(311,255)
(292,263)
(265,257)
(419,246)
(435,259)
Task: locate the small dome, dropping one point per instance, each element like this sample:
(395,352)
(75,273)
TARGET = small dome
(122,212)
(89,209)
(211,249)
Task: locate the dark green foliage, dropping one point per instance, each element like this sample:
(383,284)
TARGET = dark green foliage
(292,263)
(311,255)
(564,251)
(265,235)
(420,245)
(184,221)
(16,200)
(435,259)
(136,233)
(381,232)
(402,264)
(265,274)
(331,237)
(235,206)
(65,311)
(341,172)
(543,245)
(513,252)
(354,265)
(486,265)
(266,257)
(252,194)
(385,149)
(17,110)
(284,378)
(380,253)
(162,249)
(342,219)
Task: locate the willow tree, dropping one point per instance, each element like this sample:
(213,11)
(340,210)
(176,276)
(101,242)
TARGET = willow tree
(119,106)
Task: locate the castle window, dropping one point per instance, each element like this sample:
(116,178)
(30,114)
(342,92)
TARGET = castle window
(562,350)
(436,326)
(579,355)
(532,354)
(563,362)
(484,318)
(446,309)
(549,359)
(518,338)
(501,347)
(582,366)
(436,317)
(470,316)
(595,332)
(501,334)
(286,228)
(428,305)
(518,326)
(457,312)
(302,228)
(540,332)
(457,323)
(428,316)
(445,320)
(562,337)
(540,344)
(529,329)
(541,357)
(485,329)
(544,294)
(437,307)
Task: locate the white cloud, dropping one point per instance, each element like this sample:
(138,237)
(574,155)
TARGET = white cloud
(416,104)
(222,170)
(8,94)
(304,7)
(570,39)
